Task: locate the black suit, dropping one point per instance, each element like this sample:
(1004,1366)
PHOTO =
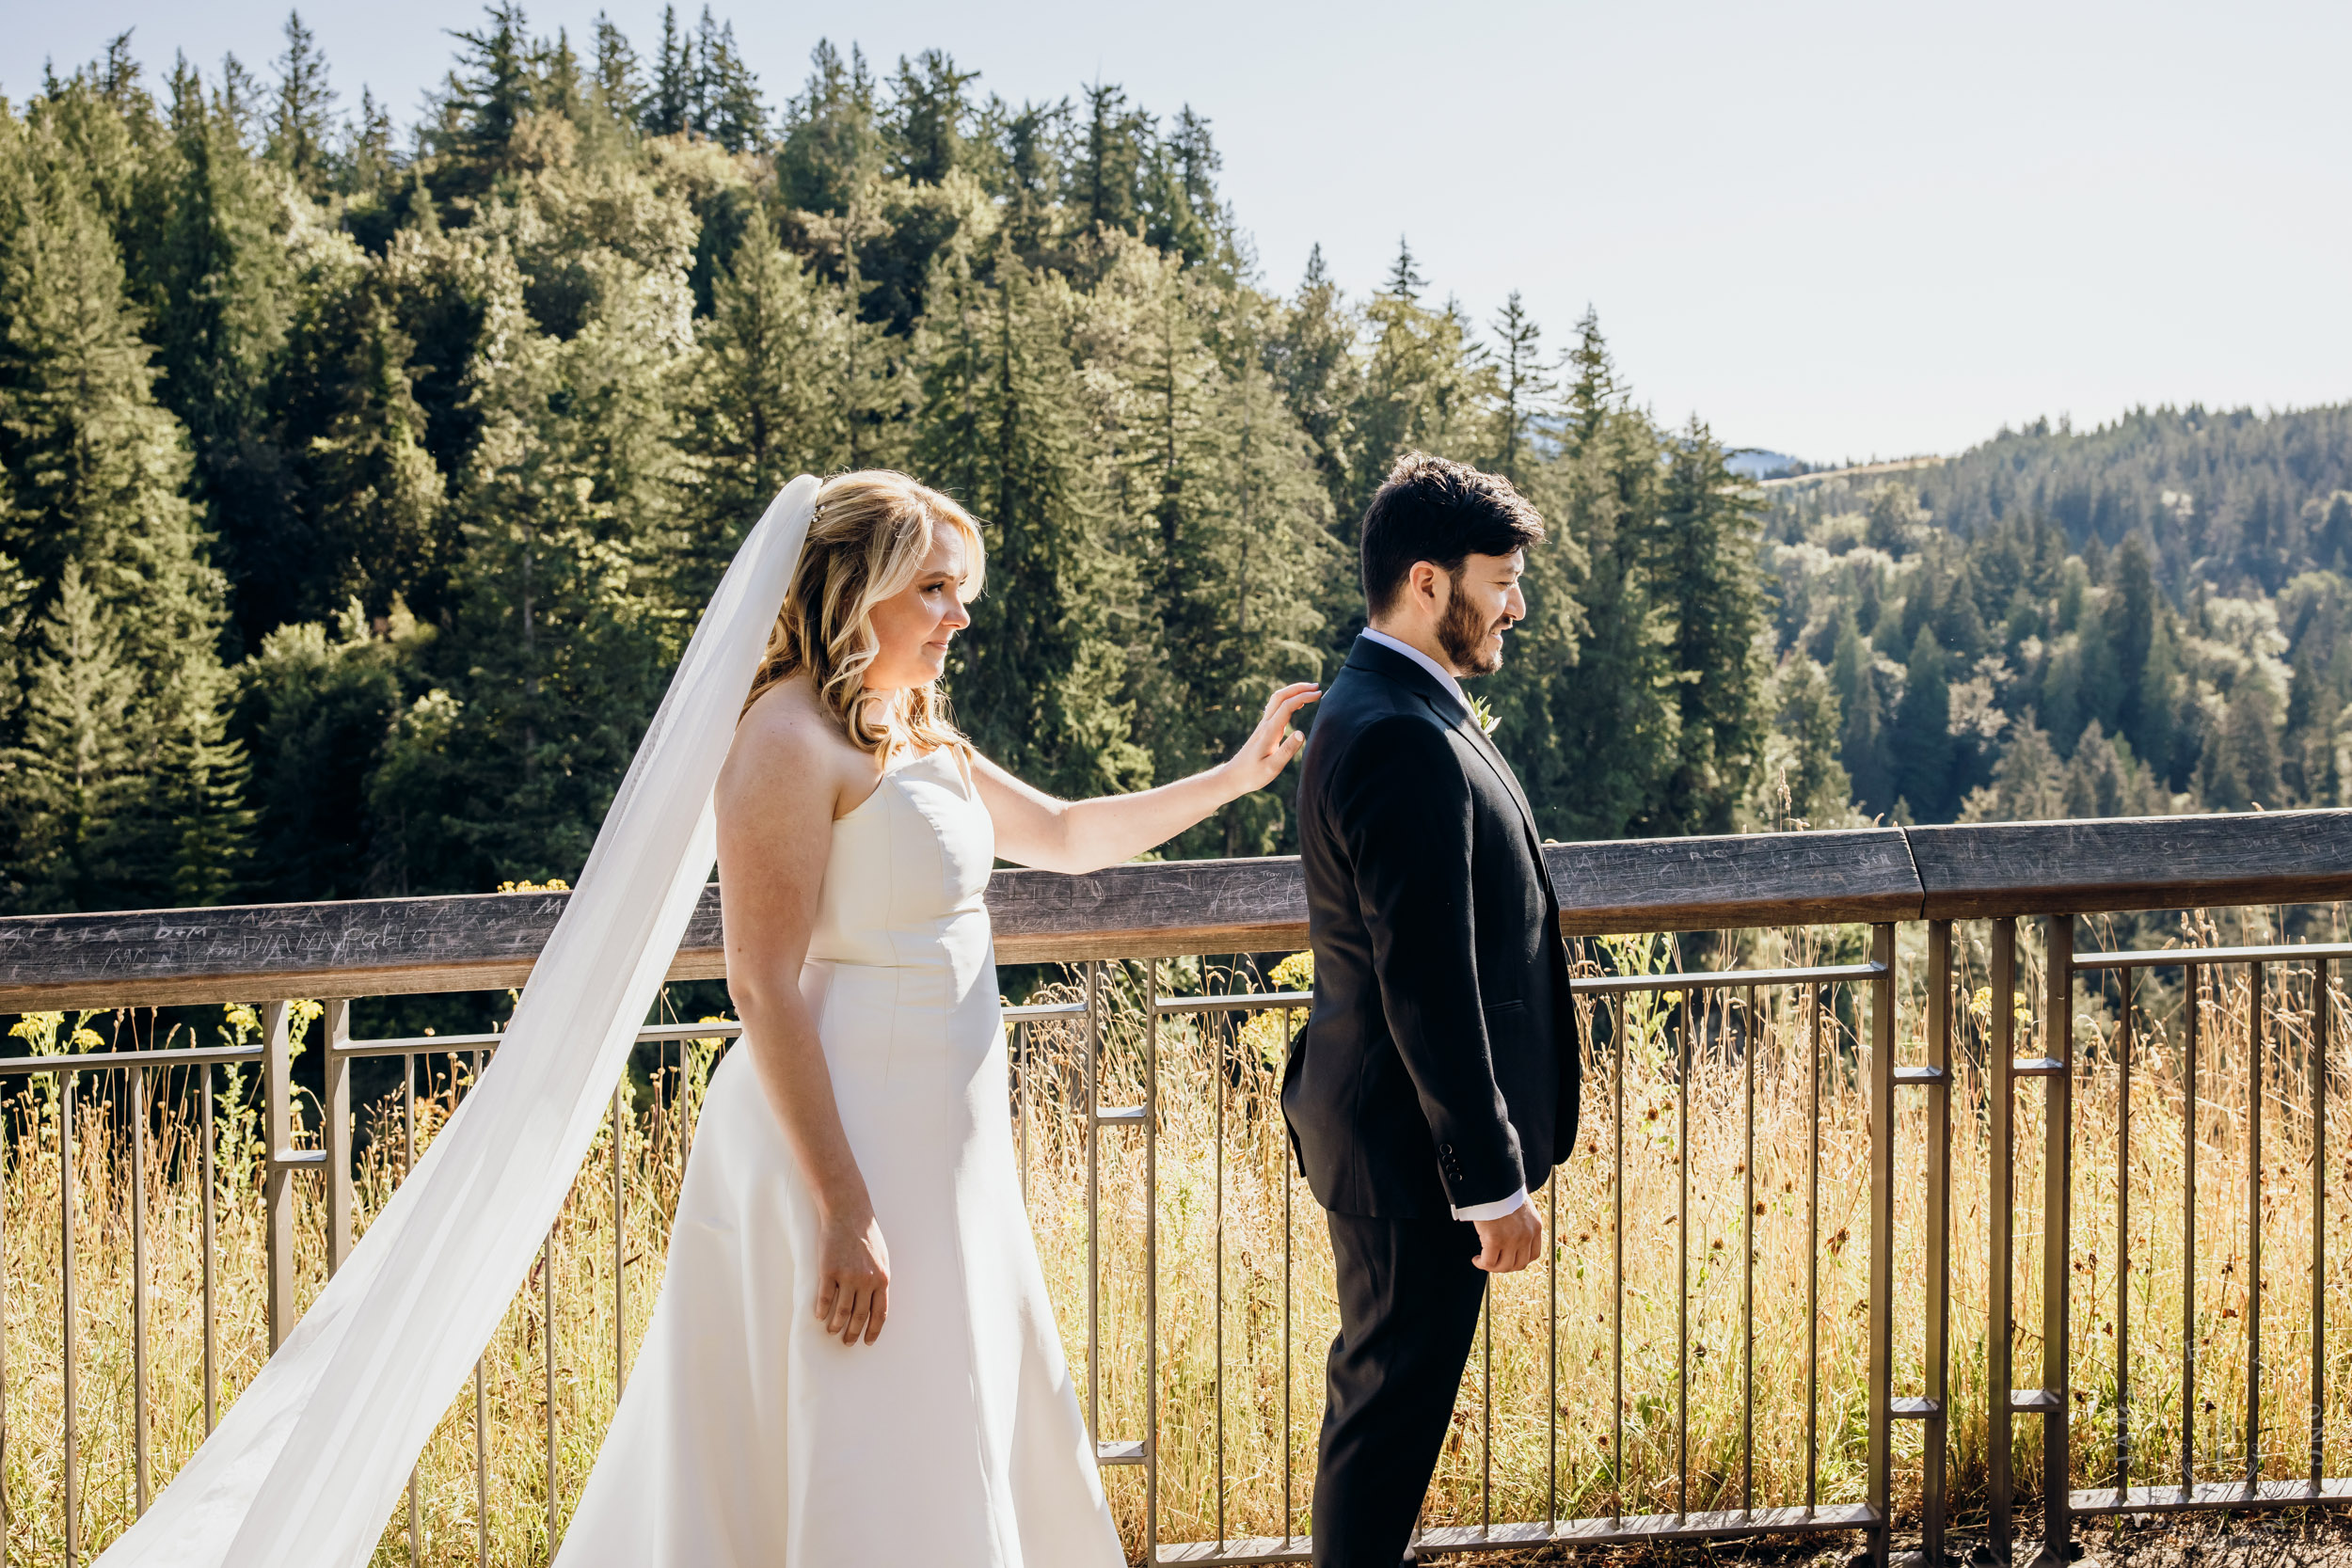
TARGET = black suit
(1438,1070)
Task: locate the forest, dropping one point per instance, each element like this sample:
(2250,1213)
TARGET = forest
(359,484)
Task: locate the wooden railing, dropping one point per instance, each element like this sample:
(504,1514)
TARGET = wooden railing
(1709,1028)
(1166,909)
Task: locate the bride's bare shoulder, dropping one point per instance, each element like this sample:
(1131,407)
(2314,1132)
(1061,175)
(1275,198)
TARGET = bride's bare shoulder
(788,752)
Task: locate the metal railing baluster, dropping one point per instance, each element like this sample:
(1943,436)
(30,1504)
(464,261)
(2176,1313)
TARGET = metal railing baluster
(1216,1031)
(480,1419)
(1751,1039)
(2056,1230)
(1617,1278)
(277,1194)
(2192,989)
(546,1335)
(408,1164)
(1290,1373)
(1094,1201)
(1813,1258)
(2001,1206)
(1935,1439)
(341,1200)
(69,1297)
(2322,1029)
(1151,1261)
(1682,1229)
(1879,1458)
(138,1286)
(2123,1243)
(206,1246)
(2257,995)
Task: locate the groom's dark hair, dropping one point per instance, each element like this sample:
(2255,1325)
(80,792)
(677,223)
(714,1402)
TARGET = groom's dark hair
(1430,509)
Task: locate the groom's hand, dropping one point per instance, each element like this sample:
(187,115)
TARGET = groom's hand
(1510,1243)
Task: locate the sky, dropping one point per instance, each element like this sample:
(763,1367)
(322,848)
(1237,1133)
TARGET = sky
(1834,230)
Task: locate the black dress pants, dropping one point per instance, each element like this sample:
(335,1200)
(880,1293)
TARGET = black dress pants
(1409,1305)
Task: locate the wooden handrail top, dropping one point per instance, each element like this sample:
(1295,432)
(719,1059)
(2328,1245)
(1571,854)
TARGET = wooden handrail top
(483,941)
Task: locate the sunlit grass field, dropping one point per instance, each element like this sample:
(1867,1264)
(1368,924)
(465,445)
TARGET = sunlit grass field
(1514,1454)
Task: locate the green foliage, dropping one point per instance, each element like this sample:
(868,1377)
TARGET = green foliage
(359,484)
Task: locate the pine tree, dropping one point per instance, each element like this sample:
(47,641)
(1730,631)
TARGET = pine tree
(76,780)
(1037,677)
(929,107)
(96,517)
(372,490)
(1804,784)
(1214,474)
(484,103)
(1594,392)
(1311,354)
(298,120)
(670,102)
(783,381)
(1861,742)
(1526,387)
(1923,739)
(831,142)
(1104,184)
(228,288)
(1709,588)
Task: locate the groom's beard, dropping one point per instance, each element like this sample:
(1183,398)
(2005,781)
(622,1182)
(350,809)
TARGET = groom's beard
(1462,633)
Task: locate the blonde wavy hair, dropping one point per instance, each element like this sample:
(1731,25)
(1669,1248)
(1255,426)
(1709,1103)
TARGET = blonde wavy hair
(872,532)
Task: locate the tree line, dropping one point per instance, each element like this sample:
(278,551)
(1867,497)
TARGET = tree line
(359,484)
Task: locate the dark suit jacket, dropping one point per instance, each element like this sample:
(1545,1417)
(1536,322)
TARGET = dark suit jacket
(1438,1067)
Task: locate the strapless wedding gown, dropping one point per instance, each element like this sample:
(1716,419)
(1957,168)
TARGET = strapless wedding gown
(750,1436)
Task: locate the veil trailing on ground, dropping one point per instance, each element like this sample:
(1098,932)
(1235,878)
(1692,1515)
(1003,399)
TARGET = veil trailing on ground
(308,1466)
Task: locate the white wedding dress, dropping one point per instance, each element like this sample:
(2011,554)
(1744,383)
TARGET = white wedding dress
(748,1435)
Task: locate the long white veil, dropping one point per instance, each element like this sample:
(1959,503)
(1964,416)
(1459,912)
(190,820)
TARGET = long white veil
(309,1462)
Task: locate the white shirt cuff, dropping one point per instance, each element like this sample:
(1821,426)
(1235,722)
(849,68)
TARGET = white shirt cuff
(1494,1210)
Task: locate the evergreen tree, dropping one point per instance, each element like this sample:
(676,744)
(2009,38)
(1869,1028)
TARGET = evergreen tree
(2028,780)
(670,102)
(1709,587)
(1923,739)
(227,285)
(1312,355)
(1804,785)
(1109,160)
(484,104)
(1525,386)
(1037,677)
(1863,743)
(928,108)
(76,780)
(313,713)
(372,492)
(2240,767)
(96,517)
(782,380)
(1594,392)
(298,127)
(831,145)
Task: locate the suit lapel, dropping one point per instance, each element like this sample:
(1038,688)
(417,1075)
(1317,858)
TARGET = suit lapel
(1467,725)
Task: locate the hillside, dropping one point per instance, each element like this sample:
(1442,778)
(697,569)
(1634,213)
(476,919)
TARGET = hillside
(2148,616)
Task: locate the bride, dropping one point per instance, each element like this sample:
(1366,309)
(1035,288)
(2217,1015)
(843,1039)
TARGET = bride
(853,1359)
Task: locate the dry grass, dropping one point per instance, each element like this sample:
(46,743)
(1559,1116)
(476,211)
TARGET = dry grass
(1513,1460)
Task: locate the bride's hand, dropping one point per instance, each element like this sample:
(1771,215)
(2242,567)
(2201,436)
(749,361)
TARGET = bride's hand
(854,1294)
(1273,743)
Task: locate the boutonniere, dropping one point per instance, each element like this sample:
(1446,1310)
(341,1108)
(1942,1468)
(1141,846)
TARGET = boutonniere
(1482,713)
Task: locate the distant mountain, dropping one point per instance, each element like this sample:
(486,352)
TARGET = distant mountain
(1755,463)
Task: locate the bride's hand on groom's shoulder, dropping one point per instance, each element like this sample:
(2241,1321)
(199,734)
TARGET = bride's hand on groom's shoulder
(854,1290)
(1273,743)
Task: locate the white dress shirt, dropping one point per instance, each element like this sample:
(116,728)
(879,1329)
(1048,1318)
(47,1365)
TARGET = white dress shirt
(1500,1206)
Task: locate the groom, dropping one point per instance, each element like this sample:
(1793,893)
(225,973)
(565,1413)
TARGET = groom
(1436,1084)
